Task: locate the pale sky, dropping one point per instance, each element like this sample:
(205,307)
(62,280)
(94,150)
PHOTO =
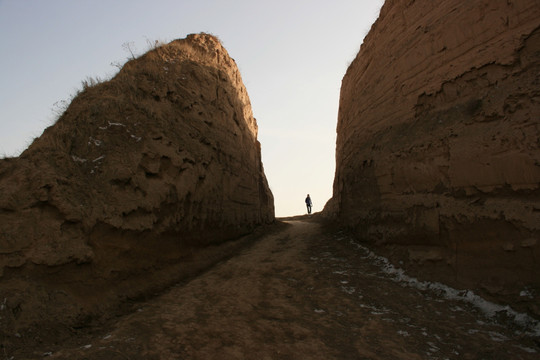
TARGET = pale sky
(291,54)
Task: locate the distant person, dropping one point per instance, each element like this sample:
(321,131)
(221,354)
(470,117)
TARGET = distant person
(309,204)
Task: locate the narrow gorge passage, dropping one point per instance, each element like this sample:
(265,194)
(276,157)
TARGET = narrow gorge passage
(306,292)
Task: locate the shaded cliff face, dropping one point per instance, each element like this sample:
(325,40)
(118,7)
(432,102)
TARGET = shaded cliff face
(438,139)
(137,174)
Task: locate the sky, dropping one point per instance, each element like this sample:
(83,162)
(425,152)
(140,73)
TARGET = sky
(291,54)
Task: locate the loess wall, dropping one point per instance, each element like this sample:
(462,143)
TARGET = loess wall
(138,175)
(438,150)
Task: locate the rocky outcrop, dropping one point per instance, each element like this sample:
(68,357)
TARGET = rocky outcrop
(438,154)
(137,175)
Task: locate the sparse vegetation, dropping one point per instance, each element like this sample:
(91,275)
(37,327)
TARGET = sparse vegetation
(130,47)
(90,82)
(60,106)
(154,44)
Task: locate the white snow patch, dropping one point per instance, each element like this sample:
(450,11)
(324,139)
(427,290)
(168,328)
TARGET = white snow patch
(526,349)
(375,310)
(403,333)
(497,337)
(94,141)
(99,158)
(78,159)
(348,289)
(319,311)
(526,293)
(116,124)
(109,124)
(490,309)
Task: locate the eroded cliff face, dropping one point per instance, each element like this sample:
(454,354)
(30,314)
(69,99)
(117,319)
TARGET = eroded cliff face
(137,175)
(438,150)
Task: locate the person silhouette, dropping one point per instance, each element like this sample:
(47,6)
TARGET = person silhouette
(309,204)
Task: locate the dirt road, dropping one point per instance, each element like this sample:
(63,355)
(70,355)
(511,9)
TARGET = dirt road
(307,292)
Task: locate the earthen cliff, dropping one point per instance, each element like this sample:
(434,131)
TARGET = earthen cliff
(140,173)
(438,152)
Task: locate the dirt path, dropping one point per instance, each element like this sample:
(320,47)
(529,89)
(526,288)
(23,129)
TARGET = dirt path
(306,293)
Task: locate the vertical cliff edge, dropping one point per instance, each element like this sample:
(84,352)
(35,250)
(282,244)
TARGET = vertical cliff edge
(438,150)
(140,173)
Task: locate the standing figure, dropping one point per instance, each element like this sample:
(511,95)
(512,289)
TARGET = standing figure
(309,204)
